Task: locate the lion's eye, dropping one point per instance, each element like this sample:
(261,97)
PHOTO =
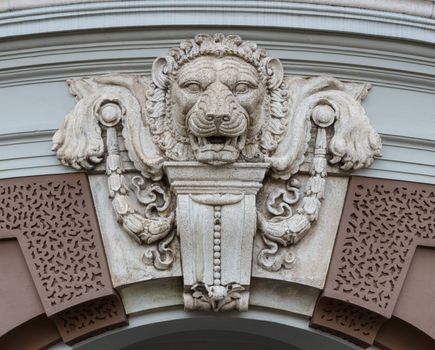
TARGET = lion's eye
(193,87)
(242,88)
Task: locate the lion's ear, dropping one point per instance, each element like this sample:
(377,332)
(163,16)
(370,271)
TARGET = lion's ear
(274,72)
(161,70)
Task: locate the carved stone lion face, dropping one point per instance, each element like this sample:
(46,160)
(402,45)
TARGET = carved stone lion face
(217,99)
(218,102)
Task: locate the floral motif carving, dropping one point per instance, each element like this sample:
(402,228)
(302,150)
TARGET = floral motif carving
(215,297)
(319,103)
(221,101)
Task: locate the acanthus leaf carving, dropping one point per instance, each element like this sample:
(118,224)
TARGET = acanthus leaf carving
(216,114)
(215,298)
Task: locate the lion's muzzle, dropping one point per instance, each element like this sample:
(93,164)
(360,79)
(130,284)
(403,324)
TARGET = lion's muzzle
(217,125)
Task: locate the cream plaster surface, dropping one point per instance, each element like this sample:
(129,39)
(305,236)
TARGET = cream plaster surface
(153,294)
(283,296)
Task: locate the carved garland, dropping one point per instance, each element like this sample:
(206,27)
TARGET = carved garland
(324,107)
(145,229)
(289,231)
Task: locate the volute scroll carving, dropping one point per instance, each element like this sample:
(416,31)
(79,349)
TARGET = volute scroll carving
(217,119)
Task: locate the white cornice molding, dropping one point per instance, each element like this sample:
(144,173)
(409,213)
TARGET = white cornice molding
(55,58)
(422,8)
(273,13)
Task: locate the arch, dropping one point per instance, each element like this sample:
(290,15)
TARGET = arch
(281,327)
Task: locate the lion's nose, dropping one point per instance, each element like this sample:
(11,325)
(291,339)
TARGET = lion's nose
(218,119)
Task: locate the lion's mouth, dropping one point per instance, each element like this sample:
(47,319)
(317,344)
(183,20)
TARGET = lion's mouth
(218,149)
(216,140)
(219,142)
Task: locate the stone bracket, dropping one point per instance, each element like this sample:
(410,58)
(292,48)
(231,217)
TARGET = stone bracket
(216,223)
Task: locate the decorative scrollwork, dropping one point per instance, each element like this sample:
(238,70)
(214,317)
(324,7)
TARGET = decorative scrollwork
(163,256)
(280,200)
(274,257)
(153,196)
(141,228)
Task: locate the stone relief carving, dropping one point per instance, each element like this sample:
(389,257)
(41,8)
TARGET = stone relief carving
(216,115)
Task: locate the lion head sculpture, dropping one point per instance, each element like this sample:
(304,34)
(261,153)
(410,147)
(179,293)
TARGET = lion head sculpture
(217,99)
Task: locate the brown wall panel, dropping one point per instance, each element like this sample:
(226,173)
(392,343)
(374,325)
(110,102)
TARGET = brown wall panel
(348,321)
(382,224)
(396,334)
(416,303)
(93,317)
(19,300)
(54,221)
(36,334)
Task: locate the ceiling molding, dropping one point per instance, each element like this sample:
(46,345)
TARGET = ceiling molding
(273,14)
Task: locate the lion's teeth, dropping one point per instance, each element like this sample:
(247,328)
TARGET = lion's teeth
(241,141)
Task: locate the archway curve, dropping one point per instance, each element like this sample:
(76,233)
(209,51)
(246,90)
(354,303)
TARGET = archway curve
(278,326)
